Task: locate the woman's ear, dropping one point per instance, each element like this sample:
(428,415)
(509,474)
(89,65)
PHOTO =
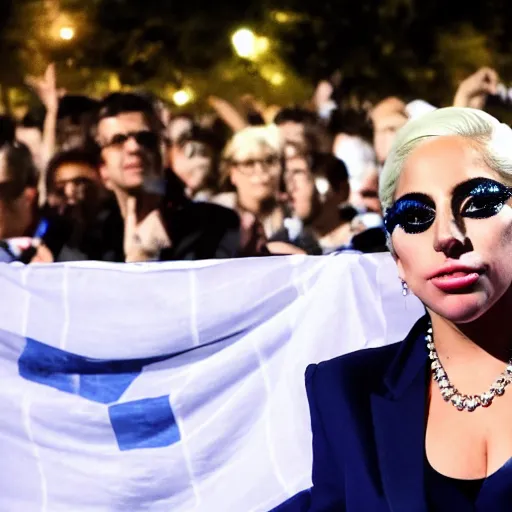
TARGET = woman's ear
(401,273)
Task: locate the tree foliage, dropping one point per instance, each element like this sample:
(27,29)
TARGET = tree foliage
(409,48)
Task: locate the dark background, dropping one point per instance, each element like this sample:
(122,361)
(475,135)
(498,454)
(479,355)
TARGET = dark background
(409,48)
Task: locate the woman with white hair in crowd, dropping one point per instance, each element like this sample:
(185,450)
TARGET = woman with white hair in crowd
(426,424)
(253,165)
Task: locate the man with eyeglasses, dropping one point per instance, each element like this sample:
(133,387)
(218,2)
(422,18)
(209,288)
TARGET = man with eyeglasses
(160,222)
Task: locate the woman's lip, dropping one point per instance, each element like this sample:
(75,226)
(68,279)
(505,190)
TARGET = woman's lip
(455,281)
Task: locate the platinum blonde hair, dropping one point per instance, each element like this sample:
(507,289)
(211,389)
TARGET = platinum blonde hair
(250,140)
(491,137)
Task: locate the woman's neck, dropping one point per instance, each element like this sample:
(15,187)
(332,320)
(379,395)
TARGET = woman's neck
(260,209)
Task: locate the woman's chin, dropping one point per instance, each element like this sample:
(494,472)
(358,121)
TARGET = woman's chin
(461,309)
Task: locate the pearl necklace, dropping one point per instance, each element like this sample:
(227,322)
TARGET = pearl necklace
(451,394)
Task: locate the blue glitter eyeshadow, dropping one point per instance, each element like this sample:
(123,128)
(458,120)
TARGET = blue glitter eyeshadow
(414,213)
(480,198)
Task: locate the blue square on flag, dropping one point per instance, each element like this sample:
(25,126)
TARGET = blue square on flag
(148,423)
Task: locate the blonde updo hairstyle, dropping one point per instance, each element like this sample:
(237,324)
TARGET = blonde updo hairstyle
(489,136)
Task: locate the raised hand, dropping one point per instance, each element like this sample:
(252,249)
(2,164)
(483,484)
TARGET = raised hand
(143,240)
(473,91)
(46,88)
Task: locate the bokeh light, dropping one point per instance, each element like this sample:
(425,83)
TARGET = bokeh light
(182,97)
(277,79)
(244,43)
(67,33)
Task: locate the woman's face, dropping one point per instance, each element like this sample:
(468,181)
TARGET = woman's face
(255,173)
(451,228)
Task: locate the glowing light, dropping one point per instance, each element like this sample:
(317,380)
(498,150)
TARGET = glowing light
(67,33)
(277,79)
(261,46)
(182,97)
(244,43)
(114,84)
(282,17)
(273,75)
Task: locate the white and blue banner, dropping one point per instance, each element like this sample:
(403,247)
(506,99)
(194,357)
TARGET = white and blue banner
(176,387)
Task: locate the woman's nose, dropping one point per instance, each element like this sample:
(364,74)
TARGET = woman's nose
(449,235)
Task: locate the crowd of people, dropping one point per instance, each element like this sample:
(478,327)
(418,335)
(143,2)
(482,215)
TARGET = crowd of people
(125,179)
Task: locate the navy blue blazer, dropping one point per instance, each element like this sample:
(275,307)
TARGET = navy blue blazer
(368,418)
(368,422)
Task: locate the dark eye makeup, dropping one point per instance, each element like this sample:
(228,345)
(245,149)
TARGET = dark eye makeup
(478,198)
(414,213)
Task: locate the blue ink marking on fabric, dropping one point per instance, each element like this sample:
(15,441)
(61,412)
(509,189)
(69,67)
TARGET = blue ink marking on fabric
(147,423)
(142,424)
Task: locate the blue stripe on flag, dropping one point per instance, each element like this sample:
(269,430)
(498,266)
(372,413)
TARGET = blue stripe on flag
(98,380)
(147,423)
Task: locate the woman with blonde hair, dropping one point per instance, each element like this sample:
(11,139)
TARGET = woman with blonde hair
(425,424)
(253,164)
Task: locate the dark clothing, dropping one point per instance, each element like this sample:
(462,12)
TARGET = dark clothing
(197,230)
(368,422)
(369,241)
(101,239)
(200,231)
(6,256)
(305,241)
(441,486)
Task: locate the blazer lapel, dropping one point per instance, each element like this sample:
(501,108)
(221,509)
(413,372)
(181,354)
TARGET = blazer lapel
(399,425)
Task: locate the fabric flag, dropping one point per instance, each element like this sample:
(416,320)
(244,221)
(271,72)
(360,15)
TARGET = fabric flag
(180,386)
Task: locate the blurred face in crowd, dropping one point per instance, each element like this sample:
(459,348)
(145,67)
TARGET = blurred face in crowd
(385,128)
(130,151)
(300,187)
(72,133)
(459,214)
(366,197)
(192,162)
(16,206)
(76,184)
(310,196)
(255,173)
(292,132)
(178,127)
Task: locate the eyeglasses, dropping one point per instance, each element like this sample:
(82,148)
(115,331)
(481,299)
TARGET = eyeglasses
(477,198)
(144,138)
(249,166)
